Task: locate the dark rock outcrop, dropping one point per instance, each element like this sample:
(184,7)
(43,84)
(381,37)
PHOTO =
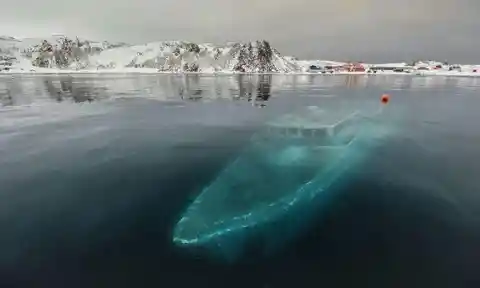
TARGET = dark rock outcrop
(255,56)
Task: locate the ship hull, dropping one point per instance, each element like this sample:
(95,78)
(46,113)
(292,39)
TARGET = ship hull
(269,193)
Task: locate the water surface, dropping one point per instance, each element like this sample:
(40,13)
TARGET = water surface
(95,170)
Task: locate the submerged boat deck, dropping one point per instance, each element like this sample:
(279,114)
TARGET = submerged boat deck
(316,127)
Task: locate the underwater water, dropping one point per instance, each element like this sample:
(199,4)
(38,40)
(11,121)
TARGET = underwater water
(279,183)
(96,171)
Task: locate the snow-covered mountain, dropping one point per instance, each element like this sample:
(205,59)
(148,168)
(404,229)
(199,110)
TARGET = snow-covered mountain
(180,56)
(58,53)
(61,52)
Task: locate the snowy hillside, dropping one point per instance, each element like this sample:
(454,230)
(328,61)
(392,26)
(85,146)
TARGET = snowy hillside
(56,51)
(178,56)
(60,52)
(53,52)
(8,52)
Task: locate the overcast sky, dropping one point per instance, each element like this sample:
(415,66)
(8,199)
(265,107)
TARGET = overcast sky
(369,30)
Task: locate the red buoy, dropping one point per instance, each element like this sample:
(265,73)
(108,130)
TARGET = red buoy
(385,98)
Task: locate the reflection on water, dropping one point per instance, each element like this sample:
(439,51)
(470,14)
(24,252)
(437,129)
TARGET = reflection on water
(16,90)
(68,90)
(257,89)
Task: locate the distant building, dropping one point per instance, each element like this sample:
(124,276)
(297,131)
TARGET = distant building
(316,68)
(354,67)
(396,67)
(423,68)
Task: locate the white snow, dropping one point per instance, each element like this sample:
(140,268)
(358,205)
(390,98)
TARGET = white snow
(18,55)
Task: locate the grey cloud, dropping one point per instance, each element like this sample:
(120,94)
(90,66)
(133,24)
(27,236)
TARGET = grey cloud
(369,30)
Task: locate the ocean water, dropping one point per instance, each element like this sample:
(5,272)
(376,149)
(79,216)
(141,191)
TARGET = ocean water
(96,170)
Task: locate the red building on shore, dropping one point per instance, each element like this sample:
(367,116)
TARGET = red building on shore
(354,67)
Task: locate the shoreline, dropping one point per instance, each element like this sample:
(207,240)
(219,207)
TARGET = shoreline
(152,71)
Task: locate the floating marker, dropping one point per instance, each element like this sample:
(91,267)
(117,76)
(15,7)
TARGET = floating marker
(385,98)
